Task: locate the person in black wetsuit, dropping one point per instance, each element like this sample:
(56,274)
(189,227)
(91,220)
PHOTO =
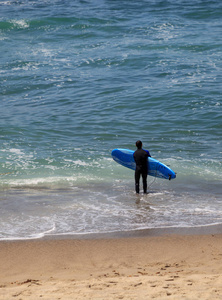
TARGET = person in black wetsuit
(141,157)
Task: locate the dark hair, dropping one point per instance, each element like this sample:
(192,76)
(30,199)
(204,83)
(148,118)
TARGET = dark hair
(139,144)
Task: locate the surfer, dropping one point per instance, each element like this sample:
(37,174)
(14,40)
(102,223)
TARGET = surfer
(141,157)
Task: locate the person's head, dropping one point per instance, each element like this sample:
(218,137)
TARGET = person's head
(139,144)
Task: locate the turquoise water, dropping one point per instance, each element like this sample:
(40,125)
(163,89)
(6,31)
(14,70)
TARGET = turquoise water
(80,78)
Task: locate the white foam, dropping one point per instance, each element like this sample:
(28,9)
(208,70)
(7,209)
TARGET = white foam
(6,2)
(16,151)
(20,23)
(80,163)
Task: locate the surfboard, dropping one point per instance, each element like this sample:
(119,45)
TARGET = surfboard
(125,158)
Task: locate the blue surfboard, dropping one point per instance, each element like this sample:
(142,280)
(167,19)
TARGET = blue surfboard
(155,168)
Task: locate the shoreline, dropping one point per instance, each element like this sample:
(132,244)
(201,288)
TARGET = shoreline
(150,264)
(150,232)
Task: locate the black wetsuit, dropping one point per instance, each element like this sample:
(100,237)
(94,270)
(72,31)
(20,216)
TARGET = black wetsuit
(140,157)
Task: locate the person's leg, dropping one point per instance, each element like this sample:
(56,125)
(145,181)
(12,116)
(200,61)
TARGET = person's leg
(137,181)
(144,175)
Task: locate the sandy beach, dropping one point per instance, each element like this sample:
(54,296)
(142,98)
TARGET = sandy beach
(149,267)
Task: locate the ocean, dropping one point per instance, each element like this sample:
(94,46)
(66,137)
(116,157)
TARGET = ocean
(80,78)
